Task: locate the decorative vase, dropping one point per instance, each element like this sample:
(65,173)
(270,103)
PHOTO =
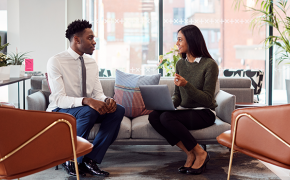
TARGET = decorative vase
(17,70)
(4,73)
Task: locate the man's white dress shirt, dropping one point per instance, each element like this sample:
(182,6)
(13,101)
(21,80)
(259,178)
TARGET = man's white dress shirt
(65,80)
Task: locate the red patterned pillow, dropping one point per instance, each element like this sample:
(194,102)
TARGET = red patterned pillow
(127,92)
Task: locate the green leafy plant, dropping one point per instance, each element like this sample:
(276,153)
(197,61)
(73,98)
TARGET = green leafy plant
(169,64)
(272,13)
(3,57)
(4,60)
(17,58)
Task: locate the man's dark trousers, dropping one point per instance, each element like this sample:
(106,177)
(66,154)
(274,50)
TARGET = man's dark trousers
(110,124)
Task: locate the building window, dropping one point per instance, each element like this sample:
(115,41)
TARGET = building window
(111,26)
(202,6)
(178,16)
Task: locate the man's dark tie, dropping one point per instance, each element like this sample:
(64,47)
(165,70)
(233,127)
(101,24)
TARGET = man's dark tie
(84,77)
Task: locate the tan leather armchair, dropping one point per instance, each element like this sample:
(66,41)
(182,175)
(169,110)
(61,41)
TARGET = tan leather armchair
(260,132)
(32,141)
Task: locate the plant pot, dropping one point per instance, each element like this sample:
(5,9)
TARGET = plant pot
(17,70)
(4,73)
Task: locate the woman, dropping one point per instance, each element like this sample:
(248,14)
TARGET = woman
(195,81)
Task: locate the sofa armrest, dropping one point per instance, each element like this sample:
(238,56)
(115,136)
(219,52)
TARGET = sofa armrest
(226,105)
(35,83)
(38,101)
(45,86)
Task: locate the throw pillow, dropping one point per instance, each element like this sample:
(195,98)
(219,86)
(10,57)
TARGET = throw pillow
(127,92)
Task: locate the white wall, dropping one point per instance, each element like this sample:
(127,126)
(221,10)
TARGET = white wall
(74,11)
(39,26)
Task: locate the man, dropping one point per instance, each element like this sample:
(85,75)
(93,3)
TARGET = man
(73,78)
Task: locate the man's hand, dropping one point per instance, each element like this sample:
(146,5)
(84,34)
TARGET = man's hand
(112,106)
(179,80)
(99,106)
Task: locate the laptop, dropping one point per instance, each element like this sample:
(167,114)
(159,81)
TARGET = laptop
(157,97)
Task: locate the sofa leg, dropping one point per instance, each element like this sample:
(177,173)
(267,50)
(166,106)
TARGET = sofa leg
(56,167)
(203,146)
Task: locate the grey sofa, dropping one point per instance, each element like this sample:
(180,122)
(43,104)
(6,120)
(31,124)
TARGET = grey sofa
(138,131)
(241,87)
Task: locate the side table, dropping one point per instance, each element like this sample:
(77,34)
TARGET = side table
(247,105)
(17,80)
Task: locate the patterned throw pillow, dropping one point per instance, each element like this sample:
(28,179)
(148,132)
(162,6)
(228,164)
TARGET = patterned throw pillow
(127,92)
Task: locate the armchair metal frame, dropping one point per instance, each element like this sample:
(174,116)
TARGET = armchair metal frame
(40,133)
(38,137)
(234,137)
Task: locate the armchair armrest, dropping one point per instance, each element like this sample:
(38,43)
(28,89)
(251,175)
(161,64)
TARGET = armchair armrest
(34,138)
(264,131)
(226,105)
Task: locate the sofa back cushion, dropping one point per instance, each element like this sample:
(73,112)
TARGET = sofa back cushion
(127,92)
(109,83)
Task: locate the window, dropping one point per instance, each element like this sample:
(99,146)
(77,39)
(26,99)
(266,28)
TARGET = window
(227,35)
(178,16)
(128,34)
(111,26)
(201,6)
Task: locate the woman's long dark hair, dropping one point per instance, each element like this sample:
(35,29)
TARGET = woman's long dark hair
(195,41)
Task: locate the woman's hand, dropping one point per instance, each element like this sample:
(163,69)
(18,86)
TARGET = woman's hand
(179,80)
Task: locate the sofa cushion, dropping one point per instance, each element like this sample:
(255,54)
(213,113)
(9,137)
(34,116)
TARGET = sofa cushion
(108,86)
(127,92)
(124,132)
(211,132)
(142,129)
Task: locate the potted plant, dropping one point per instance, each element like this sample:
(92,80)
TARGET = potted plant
(169,63)
(16,63)
(273,13)
(4,68)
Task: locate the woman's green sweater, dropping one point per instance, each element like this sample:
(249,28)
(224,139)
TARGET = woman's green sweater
(201,81)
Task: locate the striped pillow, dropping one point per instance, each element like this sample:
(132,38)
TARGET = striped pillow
(127,92)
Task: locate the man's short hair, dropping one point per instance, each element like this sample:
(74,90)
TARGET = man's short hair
(75,27)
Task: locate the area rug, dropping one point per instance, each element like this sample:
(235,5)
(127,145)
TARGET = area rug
(161,162)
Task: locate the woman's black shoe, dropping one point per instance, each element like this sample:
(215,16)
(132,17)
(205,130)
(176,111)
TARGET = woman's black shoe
(183,169)
(201,169)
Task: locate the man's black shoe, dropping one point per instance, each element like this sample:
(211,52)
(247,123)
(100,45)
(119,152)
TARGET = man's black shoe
(90,166)
(69,167)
